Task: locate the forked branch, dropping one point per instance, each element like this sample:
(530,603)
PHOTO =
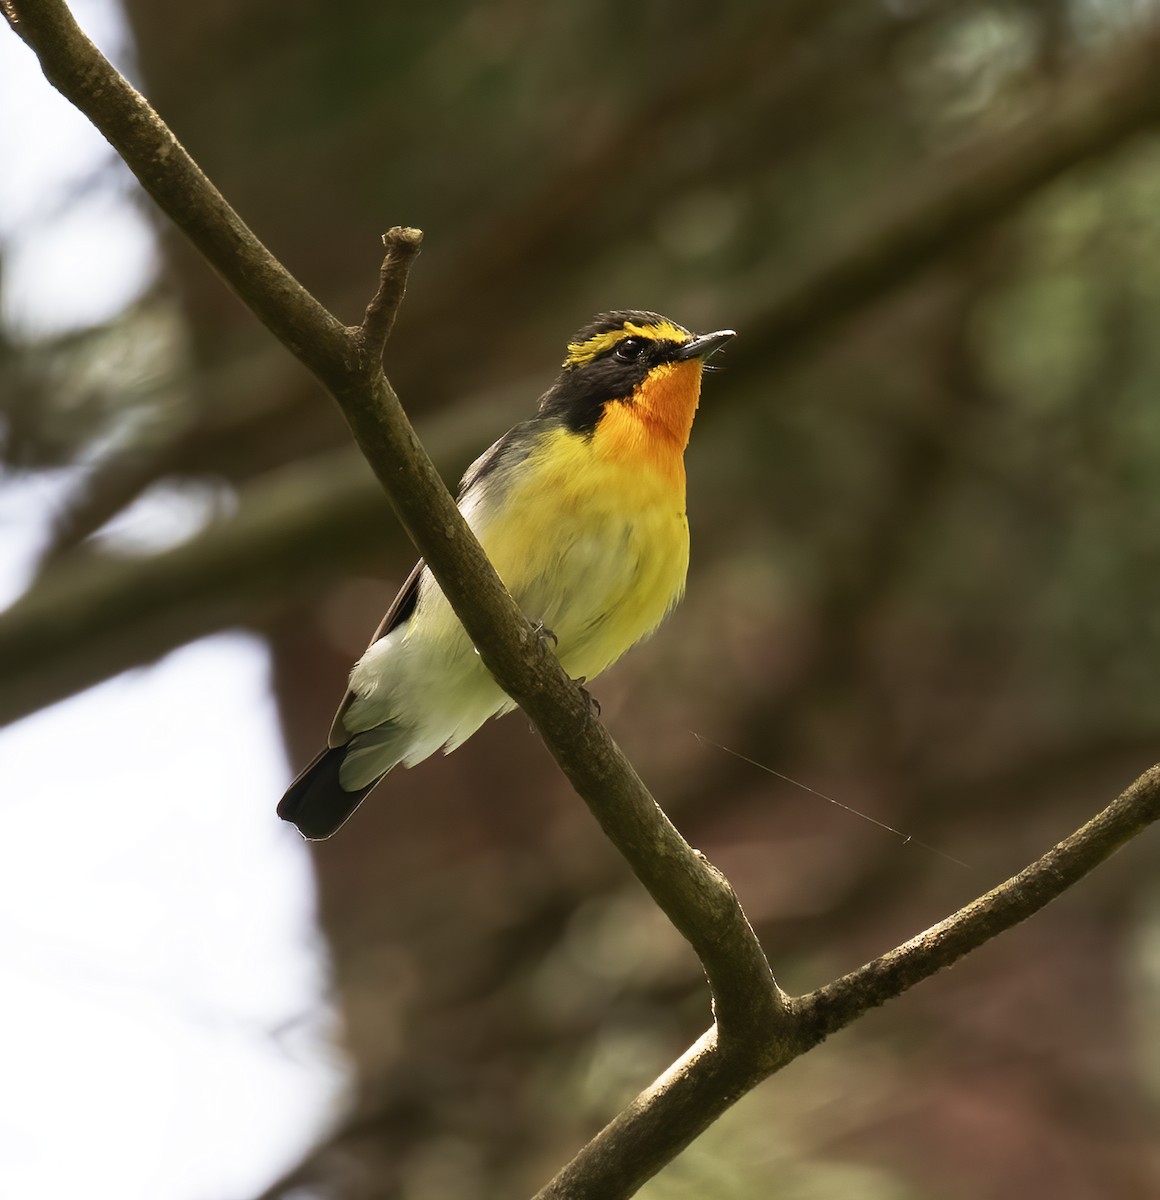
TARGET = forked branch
(693,894)
(757,1028)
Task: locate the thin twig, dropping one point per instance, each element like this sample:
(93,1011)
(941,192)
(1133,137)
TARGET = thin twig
(403,245)
(837,1004)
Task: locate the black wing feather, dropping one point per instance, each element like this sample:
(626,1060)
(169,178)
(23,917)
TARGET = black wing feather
(401,608)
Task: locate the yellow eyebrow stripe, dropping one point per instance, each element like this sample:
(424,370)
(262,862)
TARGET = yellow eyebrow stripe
(580,353)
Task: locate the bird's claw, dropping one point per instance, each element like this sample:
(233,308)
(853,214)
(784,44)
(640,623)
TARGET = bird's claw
(548,636)
(589,699)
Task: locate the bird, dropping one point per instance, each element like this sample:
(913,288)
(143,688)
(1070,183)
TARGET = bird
(581,510)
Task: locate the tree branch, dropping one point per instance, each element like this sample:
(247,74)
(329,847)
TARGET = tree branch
(82,74)
(945,201)
(90,617)
(707,1080)
(758,1029)
(93,615)
(403,247)
(834,1006)
(692,893)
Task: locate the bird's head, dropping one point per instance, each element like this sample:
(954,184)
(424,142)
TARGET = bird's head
(632,375)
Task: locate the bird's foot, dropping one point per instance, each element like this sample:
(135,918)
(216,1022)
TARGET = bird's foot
(589,699)
(546,634)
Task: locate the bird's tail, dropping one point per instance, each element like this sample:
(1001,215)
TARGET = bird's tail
(316,801)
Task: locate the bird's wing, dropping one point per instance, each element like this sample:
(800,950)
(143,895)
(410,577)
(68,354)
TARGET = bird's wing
(401,608)
(501,456)
(514,446)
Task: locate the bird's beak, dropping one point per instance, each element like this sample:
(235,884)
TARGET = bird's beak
(704,345)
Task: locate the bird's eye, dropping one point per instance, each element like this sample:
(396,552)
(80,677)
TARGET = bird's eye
(631,348)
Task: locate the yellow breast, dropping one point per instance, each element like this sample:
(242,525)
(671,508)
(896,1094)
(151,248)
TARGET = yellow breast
(592,539)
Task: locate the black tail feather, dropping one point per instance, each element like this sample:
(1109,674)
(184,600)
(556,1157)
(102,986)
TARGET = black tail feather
(316,802)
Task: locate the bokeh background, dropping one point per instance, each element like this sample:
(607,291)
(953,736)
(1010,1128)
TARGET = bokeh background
(925,509)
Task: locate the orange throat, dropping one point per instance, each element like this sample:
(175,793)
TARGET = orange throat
(652,428)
